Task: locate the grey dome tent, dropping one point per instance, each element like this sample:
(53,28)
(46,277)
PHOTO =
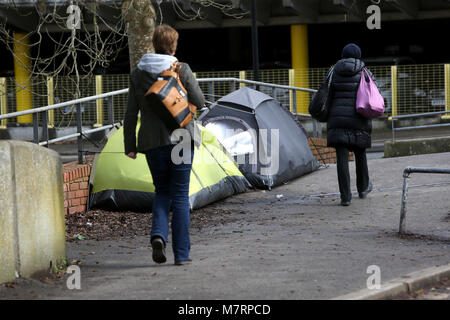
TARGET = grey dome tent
(268,142)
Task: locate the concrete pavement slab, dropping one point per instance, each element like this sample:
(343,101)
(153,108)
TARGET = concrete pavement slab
(259,245)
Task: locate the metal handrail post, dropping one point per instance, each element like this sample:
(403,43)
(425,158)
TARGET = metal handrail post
(315,131)
(45,126)
(401,228)
(294,101)
(80,137)
(393,129)
(406,172)
(211,90)
(36,128)
(109,102)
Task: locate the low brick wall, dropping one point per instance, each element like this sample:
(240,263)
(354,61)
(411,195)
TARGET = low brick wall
(76,186)
(322,153)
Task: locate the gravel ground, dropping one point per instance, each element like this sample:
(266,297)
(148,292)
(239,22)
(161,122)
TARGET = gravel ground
(106,225)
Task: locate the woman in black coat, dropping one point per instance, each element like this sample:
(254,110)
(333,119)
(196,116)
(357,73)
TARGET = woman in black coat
(346,129)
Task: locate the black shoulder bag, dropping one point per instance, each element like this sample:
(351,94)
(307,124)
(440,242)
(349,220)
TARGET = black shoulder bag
(320,103)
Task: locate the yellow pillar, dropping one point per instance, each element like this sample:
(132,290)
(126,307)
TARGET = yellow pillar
(242,77)
(50,101)
(394,91)
(22,67)
(300,63)
(3,107)
(447,90)
(99,102)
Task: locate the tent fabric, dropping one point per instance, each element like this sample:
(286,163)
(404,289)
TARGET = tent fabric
(119,183)
(294,154)
(246,97)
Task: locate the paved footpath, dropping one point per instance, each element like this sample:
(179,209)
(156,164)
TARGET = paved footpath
(294,242)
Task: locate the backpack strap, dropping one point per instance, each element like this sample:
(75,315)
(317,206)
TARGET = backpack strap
(173,66)
(178,67)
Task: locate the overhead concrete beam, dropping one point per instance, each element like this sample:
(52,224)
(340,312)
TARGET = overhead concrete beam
(410,7)
(355,8)
(305,8)
(26,21)
(211,14)
(262,9)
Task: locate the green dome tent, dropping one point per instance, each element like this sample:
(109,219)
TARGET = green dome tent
(119,183)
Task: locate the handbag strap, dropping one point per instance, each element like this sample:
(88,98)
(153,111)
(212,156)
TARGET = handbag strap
(366,74)
(330,74)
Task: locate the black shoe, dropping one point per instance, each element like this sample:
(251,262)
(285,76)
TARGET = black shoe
(363,195)
(159,251)
(345,203)
(182,263)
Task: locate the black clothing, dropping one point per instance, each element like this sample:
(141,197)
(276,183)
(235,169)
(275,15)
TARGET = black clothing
(345,126)
(362,171)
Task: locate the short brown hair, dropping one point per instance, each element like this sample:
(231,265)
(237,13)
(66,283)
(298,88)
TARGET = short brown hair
(165,39)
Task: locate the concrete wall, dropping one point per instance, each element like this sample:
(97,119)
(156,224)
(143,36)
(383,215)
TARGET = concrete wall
(404,148)
(32,222)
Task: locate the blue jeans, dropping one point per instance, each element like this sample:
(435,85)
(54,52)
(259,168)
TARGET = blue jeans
(171,191)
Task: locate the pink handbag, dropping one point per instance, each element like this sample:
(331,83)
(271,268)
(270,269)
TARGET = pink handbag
(369,102)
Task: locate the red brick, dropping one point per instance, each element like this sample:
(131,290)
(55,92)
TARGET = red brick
(75,202)
(66,204)
(83,200)
(80,193)
(72,194)
(74,186)
(83,185)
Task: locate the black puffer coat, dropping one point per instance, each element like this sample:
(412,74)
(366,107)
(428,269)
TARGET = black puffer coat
(345,127)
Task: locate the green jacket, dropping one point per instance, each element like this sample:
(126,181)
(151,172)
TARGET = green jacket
(153,133)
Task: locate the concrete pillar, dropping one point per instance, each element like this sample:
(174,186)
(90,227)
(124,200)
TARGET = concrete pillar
(300,64)
(22,67)
(32,221)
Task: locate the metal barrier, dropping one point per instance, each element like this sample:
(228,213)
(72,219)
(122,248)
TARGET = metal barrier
(416,115)
(79,121)
(114,94)
(406,172)
(407,89)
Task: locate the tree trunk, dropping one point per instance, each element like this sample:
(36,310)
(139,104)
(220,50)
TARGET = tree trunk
(140,18)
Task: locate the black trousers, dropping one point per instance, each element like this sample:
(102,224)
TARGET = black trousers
(362,171)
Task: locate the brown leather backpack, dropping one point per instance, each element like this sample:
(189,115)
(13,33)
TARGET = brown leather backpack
(168,99)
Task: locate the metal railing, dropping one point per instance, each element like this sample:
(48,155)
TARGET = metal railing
(406,172)
(407,89)
(79,121)
(417,115)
